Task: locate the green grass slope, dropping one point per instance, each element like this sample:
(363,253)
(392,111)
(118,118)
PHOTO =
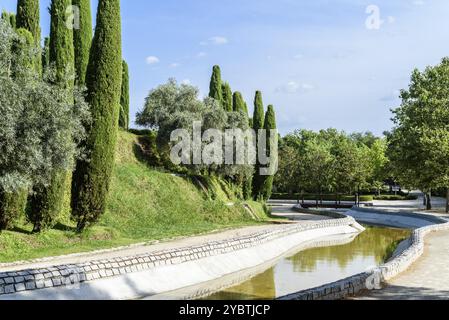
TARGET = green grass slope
(143,205)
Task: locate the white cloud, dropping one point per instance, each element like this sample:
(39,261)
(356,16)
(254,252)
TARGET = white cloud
(152,60)
(175,65)
(201,55)
(419,2)
(186,81)
(217,40)
(295,87)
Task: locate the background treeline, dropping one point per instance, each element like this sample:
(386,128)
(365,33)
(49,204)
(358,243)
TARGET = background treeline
(331,162)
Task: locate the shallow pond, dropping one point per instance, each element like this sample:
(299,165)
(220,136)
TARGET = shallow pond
(314,267)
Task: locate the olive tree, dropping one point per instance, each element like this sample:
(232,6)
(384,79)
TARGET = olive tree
(39,130)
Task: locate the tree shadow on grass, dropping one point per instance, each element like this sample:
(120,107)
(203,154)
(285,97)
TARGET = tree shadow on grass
(63,227)
(21,230)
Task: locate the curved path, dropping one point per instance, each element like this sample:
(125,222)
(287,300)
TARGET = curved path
(427,279)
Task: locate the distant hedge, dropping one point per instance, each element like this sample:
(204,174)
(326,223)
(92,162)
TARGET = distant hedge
(313,197)
(363,198)
(395,198)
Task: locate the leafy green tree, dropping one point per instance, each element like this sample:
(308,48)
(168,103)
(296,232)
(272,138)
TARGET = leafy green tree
(124,98)
(418,144)
(227,97)
(258,123)
(215,88)
(91,180)
(28,18)
(379,160)
(82,37)
(35,110)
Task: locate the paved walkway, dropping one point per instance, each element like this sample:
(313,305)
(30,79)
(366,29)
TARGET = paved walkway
(427,279)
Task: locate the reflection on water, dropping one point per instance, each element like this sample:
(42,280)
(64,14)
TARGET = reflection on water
(315,267)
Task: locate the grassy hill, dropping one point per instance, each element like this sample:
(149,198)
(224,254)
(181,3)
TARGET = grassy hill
(144,204)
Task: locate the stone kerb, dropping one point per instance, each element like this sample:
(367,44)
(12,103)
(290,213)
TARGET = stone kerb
(66,275)
(353,285)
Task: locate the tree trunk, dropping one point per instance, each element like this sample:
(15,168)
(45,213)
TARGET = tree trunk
(447,201)
(429,201)
(336,200)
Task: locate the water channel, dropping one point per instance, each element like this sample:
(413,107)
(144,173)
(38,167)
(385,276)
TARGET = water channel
(314,267)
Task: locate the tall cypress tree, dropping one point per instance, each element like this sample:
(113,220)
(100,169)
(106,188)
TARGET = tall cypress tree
(227,97)
(62,52)
(82,39)
(9,18)
(91,179)
(13,20)
(124,98)
(47,201)
(238,104)
(215,89)
(258,123)
(46,53)
(28,18)
(267,181)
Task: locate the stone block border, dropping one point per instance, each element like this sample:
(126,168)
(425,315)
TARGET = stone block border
(73,274)
(353,285)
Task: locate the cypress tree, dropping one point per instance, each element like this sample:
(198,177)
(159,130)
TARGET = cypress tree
(62,53)
(22,47)
(215,89)
(91,179)
(258,123)
(227,97)
(46,53)
(12,205)
(13,20)
(238,104)
(10,18)
(267,181)
(47,201)
(82,39)
(124,98)
(5,16)
(258,117)
(28,18)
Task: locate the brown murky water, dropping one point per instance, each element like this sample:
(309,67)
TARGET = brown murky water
(315,267)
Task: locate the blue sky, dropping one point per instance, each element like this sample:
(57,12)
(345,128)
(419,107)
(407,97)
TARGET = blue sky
(315,60)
